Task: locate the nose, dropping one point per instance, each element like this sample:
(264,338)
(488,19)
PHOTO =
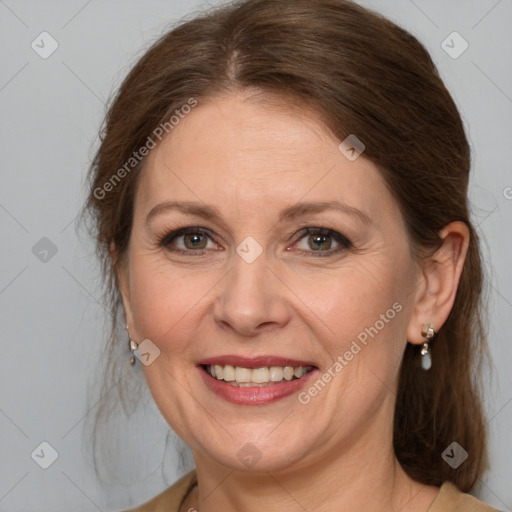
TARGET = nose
(251,299)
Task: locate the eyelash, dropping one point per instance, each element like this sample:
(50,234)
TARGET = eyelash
(345,243)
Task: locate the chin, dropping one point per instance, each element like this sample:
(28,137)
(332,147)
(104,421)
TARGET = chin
(258,457)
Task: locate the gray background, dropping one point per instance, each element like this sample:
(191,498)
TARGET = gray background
(51,311)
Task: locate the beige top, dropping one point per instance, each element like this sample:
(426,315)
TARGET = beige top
(449,499)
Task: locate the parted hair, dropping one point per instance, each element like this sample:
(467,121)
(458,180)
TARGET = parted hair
(361,74)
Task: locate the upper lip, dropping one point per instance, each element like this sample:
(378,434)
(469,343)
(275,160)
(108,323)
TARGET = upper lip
(253,362)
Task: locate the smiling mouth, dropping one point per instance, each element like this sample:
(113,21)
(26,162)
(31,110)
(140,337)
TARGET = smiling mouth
(256,377)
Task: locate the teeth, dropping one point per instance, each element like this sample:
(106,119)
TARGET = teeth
(242,374)
(288,372)
(260,375)
(249,377)
(229,373)
(276,374)
(300,371)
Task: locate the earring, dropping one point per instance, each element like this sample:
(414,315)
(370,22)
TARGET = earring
(426,357)
(133,346)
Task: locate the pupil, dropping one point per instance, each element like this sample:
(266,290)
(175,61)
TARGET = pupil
(320,240)
(193,240)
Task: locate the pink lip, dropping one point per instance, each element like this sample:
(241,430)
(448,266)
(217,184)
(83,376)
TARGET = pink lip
(254,395)
(254,362)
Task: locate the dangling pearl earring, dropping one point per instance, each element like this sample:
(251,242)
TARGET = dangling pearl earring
(426,357)
(132,345)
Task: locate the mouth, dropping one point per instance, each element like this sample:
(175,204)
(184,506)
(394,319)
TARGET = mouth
(258,377)
(255,381)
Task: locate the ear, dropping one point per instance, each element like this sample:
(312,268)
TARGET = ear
(439,281)
(121,265)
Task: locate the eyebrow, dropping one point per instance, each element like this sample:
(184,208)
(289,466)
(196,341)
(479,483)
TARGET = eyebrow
(290,213)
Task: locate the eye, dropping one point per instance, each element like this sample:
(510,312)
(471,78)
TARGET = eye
(316,242)
(188,240)
(321,241)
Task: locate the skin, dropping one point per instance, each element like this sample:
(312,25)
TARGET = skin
(250,160)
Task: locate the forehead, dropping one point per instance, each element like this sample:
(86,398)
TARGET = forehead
(235,150)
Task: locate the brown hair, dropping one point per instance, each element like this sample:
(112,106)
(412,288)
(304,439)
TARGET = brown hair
(363,75)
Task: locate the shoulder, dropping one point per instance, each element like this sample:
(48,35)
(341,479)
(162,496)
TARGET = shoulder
(450,499)
(171,498)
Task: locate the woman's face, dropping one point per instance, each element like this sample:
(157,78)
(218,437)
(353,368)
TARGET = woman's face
(249,287)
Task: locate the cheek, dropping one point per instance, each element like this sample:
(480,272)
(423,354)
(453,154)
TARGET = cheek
(166,304)
(364,317)
(158,302)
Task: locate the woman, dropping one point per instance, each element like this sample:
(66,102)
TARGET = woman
(280,199)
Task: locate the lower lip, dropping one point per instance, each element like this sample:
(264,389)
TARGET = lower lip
(254,395)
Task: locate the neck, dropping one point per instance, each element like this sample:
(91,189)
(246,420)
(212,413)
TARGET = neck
(362,475)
